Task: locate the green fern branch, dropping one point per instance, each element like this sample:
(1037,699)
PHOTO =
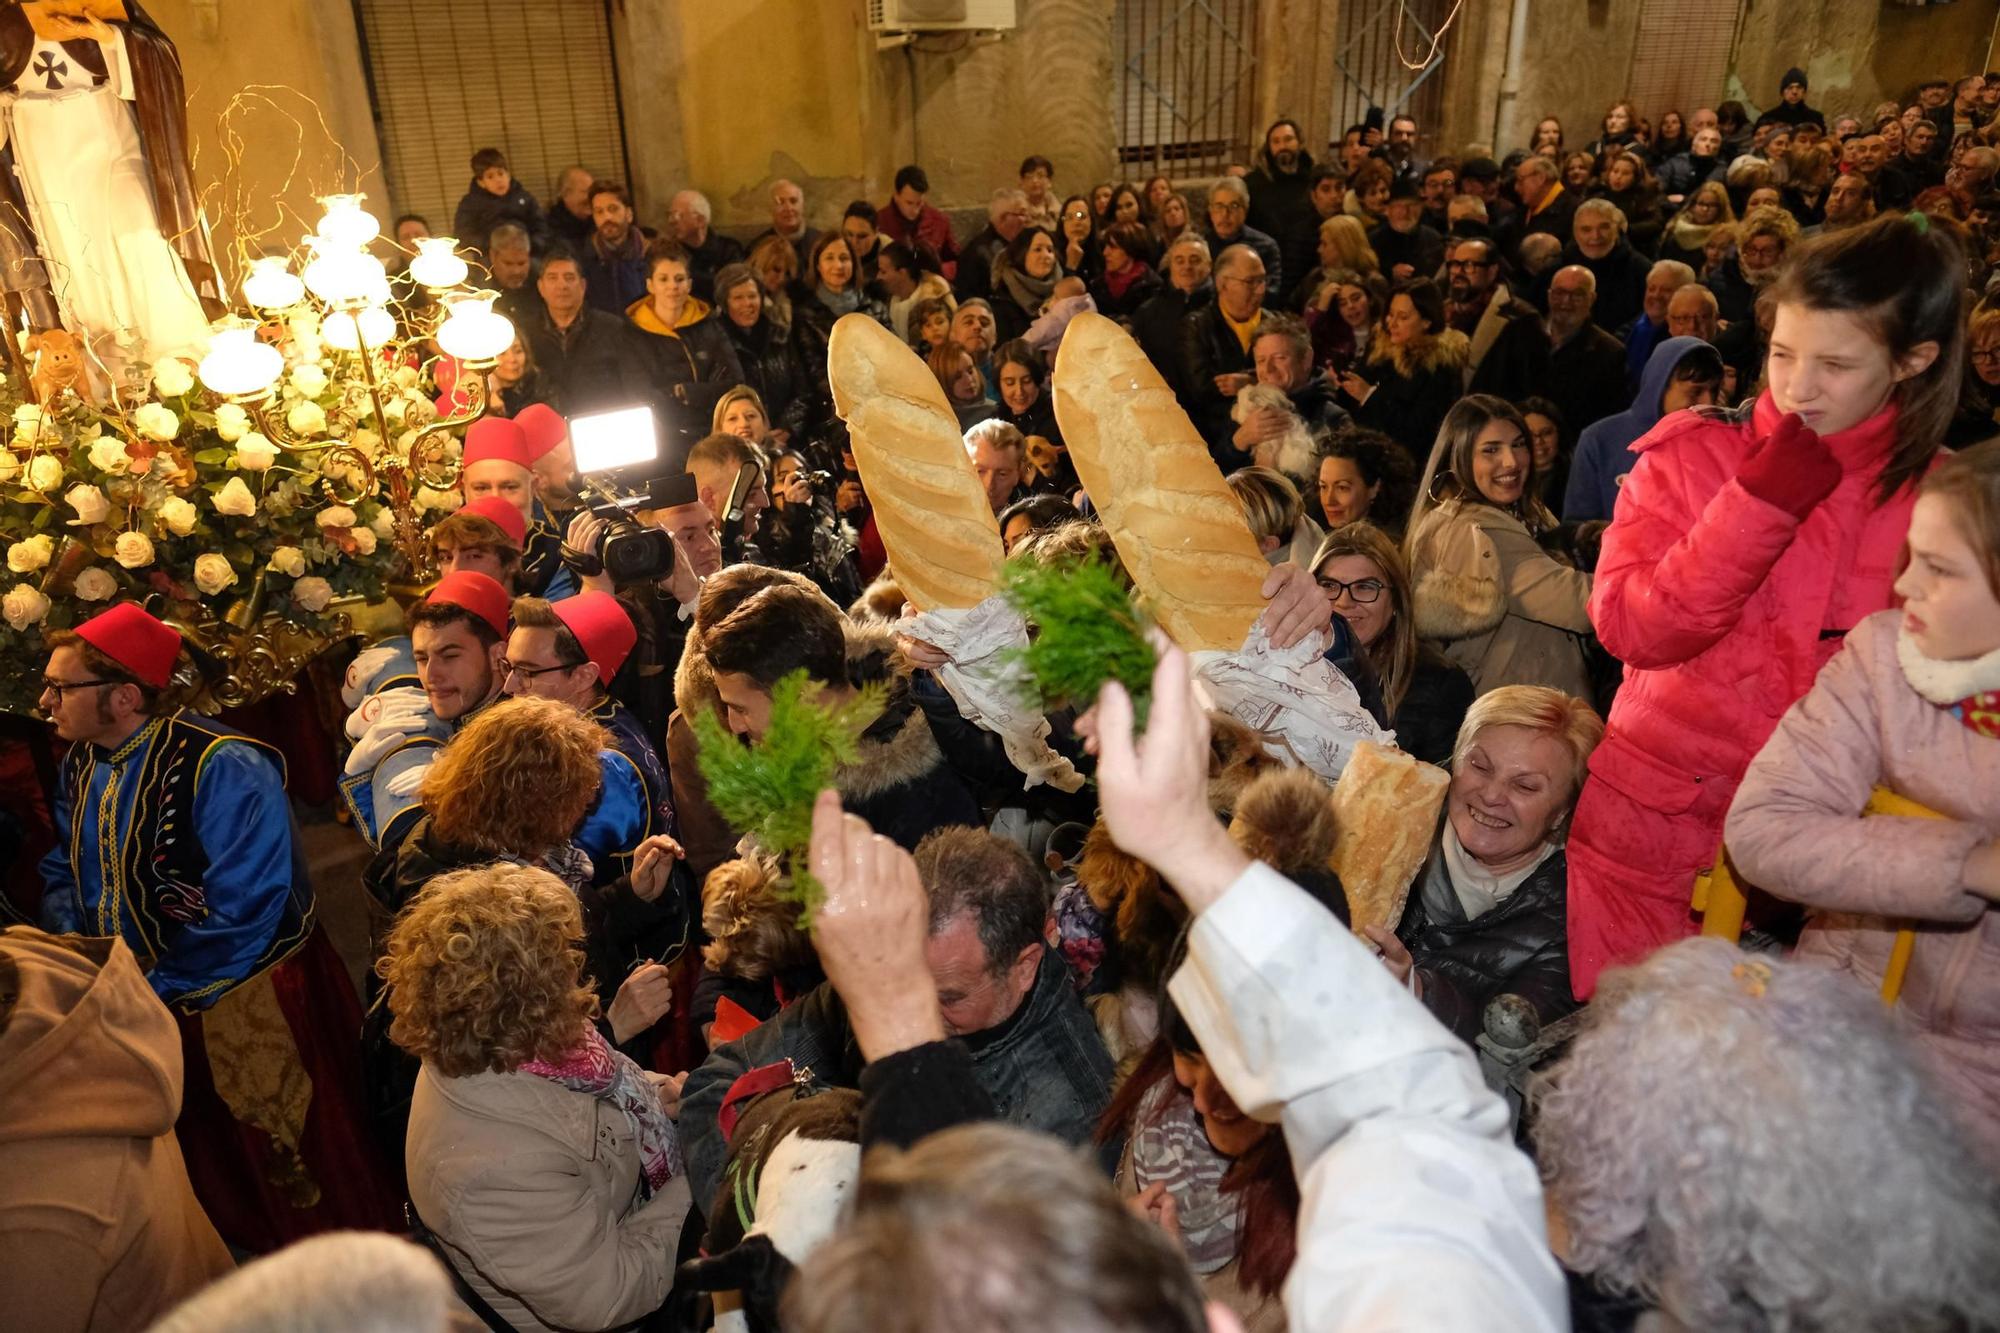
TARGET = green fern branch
(1085,629)
(767,788)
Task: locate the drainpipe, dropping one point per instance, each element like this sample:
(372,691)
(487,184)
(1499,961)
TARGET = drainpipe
(1505,117)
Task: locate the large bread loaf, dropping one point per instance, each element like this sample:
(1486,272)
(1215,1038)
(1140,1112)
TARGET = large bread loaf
(943,543)
(1179,531)
(1387,804)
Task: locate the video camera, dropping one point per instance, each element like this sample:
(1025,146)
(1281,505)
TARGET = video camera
(618,465)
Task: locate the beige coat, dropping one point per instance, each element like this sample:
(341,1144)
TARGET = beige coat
(1496,604)
(535,1191)
(99,1228)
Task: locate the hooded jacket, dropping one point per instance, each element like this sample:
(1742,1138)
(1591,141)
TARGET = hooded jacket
(1723,609)
(695,360)
(1792,830)
(1604,450)
(99,1227)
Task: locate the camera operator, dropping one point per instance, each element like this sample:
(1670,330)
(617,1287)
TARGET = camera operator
(718,465)
(802,533)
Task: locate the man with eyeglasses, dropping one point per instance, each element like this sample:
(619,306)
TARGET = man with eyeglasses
(174,833)
(1510,354)
(1228,224)
(570,651)
(1216,349)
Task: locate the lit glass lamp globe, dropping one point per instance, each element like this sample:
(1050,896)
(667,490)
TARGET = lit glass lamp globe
(237,365)
(271,284)
(436,265)
(346,222)
(347,331)
(474,333)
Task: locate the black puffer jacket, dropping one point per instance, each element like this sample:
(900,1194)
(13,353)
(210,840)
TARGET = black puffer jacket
(771,366)
(812,330)
(1520,947)
(1426,723)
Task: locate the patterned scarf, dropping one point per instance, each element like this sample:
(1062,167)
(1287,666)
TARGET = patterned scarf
(592,1066)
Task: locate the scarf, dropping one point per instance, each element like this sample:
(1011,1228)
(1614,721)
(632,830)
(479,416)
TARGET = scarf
(592,1066)
(1689,234)
(1121,282)
(840,303)
(1029,293)
(1968,690)
(1455,880)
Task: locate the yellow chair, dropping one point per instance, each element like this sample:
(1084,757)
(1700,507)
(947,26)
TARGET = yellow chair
(1720,898)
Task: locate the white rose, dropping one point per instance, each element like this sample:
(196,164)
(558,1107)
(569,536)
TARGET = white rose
(45,473)
(172,378)
(108,454)
(429,497)
(364,541)
(9,465)
(212,573)
(254,452)
(395,409)
(336,516)
(179,515)
(27,421)
(405,377)
(25,557)
(309,380)
(312,593)
(289,561)
(88,502)
(235,498)
(23,606)
(367,442)
(306,418)
(134,550)
(384,523)
(156,422)
(95,584)
(232,423)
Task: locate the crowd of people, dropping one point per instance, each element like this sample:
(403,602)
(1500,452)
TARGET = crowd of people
(1648,489)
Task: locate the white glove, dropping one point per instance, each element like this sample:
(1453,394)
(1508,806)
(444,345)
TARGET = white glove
(367,664)
(383,722)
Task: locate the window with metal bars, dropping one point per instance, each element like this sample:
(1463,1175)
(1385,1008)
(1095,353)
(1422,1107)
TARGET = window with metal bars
(1379,42)
(533,78)
(1184,84)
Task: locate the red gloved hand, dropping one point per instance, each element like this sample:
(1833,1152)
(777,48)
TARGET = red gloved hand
(1790,468)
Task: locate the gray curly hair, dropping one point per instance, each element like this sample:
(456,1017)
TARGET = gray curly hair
(1747,1143)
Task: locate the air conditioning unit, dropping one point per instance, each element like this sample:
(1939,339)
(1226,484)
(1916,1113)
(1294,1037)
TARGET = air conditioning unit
(941,15)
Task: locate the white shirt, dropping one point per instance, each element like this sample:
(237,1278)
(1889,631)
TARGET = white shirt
(1416,1210)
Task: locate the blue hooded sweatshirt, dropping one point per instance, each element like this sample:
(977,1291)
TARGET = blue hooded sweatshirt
(1604,451)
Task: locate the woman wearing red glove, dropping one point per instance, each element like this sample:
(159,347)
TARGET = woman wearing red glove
(1742,548)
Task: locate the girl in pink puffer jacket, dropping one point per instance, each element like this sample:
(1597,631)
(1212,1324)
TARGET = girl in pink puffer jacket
(1911,704)
(1741,550)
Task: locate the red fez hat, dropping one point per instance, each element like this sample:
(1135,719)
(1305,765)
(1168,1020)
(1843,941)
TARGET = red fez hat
(601,627)
(542,427)
(478,593)
(495,437)
(501,512)
(135,641)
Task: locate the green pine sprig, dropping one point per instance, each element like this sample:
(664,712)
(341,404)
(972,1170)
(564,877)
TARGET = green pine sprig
(1085,630)
(767,788)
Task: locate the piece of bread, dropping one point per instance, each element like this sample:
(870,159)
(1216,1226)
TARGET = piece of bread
(1179,531)
(1387,804)
(942,538)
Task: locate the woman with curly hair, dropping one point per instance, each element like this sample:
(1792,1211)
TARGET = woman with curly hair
(1747,1143)
(517,785)
(544,1163)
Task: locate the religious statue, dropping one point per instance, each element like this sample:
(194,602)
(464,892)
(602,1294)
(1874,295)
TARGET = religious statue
(100,230)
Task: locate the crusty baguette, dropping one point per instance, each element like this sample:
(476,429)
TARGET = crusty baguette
(942,539)
(1179,531)
(1387,803)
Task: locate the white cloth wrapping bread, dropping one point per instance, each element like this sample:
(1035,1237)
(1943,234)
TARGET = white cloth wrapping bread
(1305,709)
(989,686)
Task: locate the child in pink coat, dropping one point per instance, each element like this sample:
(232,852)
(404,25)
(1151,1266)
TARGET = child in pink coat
(1911,704)
(1741,549)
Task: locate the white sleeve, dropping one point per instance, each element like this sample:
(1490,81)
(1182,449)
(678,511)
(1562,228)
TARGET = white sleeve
(1416,1209)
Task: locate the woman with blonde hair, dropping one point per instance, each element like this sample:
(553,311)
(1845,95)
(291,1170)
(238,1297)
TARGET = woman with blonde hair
(741,413)
(1366,583)
(1276,513)
(1487,594)
(775,262)
(1687,232)
(1343,248)
(544,1163)
(1487,917)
